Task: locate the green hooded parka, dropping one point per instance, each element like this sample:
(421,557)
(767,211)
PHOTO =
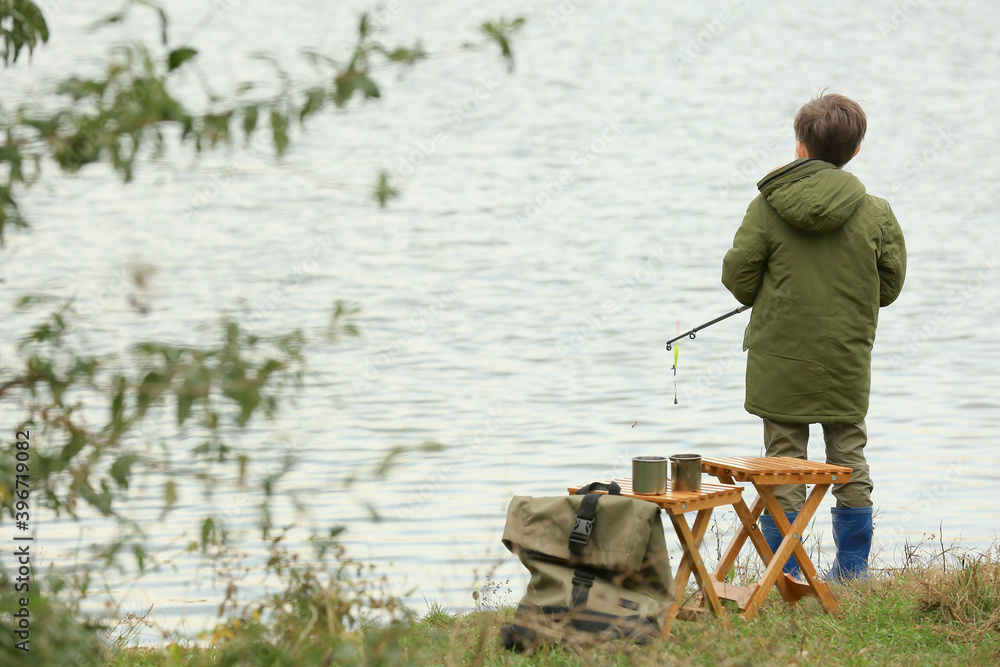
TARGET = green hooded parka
(816,257)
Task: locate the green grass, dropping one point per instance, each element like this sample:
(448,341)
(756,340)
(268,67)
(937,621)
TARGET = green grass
(922,616)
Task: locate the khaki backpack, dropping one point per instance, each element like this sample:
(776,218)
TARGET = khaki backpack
(599,568)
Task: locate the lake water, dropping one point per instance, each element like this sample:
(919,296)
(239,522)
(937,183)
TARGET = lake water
(556,224)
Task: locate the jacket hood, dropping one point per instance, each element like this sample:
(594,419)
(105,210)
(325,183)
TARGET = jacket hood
(813,195)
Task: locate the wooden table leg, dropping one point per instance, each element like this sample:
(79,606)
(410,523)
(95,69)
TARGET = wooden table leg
(748,525)
(700,571)
(692,561)
(749,529)
(819,587)
(790,545)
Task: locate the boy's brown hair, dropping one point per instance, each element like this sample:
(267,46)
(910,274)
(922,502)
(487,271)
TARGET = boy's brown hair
(831,128)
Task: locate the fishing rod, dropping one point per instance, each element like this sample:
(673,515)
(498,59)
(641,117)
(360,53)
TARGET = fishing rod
(691,334)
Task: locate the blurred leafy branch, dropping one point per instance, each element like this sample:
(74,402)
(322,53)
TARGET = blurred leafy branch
(218,388)
(88,413)
(131,105)
(22,24)
(96,419)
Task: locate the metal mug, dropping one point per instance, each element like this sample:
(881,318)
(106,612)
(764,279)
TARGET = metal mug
(685,472)
(649,475)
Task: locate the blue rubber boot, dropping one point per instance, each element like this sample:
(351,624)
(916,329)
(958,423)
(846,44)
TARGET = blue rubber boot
(773,539)
(852,533)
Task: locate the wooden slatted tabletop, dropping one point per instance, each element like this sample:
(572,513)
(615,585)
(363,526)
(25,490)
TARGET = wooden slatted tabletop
(710,495)
(775,470)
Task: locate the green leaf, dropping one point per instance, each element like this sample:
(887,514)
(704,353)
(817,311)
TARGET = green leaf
(350,81)
(268,367)
(21,24)
(78,88)
(367,86)
(179,56)
(103,500)
(389,461)
(121,469)
(140,555)
(185,399)
(170,493)
(118,402)
(30,300)
(72,448)
(242,461)
(118,423)
(110,19)
(430,446)
(345,88)
(216,127)
(500,32)
(9,213)
(279,128)
(249,119)
(404,55)
(384,190)
(153,384)
(207,531)
(339,321)
(314,102)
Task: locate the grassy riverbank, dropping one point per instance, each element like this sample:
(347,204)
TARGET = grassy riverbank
(918,616)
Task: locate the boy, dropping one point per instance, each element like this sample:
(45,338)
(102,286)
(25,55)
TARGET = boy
(816,257)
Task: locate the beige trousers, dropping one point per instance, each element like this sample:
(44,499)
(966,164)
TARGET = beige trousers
(845,446)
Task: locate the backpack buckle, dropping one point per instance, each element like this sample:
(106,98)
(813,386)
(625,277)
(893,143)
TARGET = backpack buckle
(582,578)
(580,534)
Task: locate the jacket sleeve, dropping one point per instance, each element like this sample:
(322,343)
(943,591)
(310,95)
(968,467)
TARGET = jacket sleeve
(891,261)
(743,266)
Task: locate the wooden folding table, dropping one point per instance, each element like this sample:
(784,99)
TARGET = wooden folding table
(766,473)
(676,504)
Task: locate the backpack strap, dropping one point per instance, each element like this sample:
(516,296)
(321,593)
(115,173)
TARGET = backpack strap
(584,524)
(611,487)
(582,582)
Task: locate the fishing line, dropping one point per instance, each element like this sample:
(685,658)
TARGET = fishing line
(677,349)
